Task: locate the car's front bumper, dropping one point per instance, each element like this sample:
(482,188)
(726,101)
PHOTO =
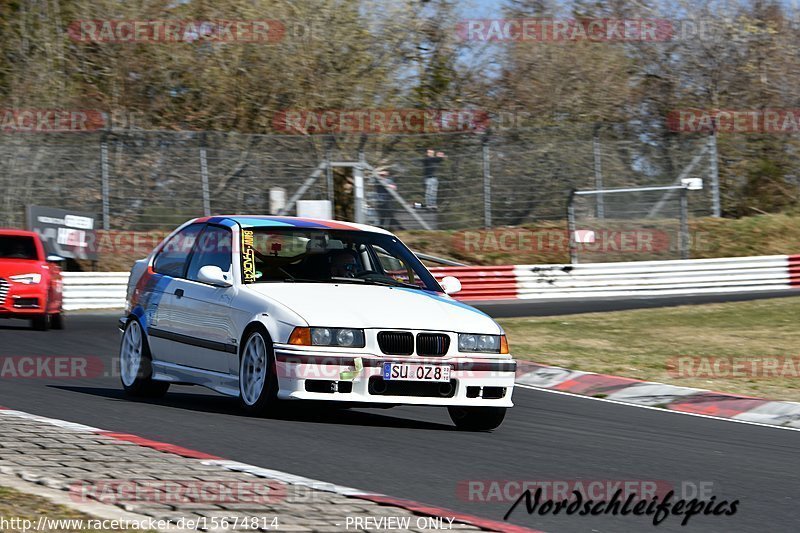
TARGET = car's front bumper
(22,301)
(317,375)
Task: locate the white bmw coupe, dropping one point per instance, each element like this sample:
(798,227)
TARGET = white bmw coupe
(269,308)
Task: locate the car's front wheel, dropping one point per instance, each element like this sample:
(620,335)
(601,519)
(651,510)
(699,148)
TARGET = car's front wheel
(258,381)
(477,418)
(136,371)
(57,320)
(41,323)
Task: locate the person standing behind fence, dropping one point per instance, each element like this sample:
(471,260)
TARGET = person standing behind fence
(384,199)
(430,167)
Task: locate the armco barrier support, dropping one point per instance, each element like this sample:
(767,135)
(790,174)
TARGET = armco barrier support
(89,290)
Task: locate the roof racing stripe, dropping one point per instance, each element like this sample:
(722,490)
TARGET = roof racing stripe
(269,221)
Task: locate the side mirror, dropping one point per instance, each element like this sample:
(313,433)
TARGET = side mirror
(55,259)
(450,284)
(213,275)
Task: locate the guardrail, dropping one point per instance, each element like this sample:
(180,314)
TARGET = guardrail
(94,290)
(642,278)
(653,278)
(90,290)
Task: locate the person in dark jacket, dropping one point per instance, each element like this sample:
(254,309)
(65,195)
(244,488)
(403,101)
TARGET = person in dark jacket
(384,199)
(430,168)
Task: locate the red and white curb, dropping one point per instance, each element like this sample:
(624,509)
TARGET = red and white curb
(291,479)
(650,394)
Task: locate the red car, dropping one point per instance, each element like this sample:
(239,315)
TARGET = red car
(30,281)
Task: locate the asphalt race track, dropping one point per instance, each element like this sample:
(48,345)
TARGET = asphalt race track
(415,453)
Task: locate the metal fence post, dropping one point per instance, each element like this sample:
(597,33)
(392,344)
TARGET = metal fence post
(573,248)
(204,177)
(684,235)
(600,210)
(104,185)
(358,189)
(487,183)
(329,179)
(716,207)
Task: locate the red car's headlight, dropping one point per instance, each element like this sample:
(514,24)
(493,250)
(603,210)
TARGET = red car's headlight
(26,279)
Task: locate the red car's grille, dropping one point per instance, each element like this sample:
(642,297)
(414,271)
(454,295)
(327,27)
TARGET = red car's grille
(3,291)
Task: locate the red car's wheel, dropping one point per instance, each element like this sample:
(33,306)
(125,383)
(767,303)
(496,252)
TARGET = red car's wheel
(57,320)
(41,323)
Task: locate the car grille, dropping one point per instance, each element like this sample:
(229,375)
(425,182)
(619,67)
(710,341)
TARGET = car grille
(432,344)
(396,342)
(3,291)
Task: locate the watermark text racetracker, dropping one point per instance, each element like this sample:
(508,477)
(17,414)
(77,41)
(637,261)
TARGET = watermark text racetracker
(555,241)
(588,29)
(769,120)
(176,31)
(51,120)
(62,367)
(406,121)
(172,492)
(728,367)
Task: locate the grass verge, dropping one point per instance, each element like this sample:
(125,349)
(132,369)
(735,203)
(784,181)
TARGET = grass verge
(642,343)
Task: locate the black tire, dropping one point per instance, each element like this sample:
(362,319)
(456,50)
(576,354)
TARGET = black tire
(57,320)
(477,418)
(41,323)
(143,385)
(265,401)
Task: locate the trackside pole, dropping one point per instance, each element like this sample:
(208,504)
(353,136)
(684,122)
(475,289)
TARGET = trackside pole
(684,244)
(204,179)
(104,185)
(573,250)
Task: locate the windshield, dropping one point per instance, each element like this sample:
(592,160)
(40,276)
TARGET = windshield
(17,247)
(330,256)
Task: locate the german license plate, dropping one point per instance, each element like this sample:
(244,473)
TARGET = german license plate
(415,372)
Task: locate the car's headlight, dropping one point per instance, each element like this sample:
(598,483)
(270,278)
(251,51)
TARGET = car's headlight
(27,279)
(476,343)
(342,337)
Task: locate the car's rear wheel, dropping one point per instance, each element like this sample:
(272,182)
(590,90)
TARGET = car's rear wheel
(477,418)
(135,363)
(258,381)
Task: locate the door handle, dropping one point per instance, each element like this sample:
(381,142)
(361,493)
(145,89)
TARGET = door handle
(179,293)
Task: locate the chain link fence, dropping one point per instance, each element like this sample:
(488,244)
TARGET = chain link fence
(152,180)
(624,224)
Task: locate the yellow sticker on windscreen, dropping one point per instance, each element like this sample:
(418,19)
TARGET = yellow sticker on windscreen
(248,256)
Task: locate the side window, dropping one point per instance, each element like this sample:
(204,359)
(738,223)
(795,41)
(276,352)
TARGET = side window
(213,248)
(171,260)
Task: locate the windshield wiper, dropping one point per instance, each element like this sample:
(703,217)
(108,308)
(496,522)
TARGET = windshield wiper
(293,280)
(347,280)
(391,283)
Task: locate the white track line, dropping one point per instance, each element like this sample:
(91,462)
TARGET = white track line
(659,409)
(285,477)
(64,424)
